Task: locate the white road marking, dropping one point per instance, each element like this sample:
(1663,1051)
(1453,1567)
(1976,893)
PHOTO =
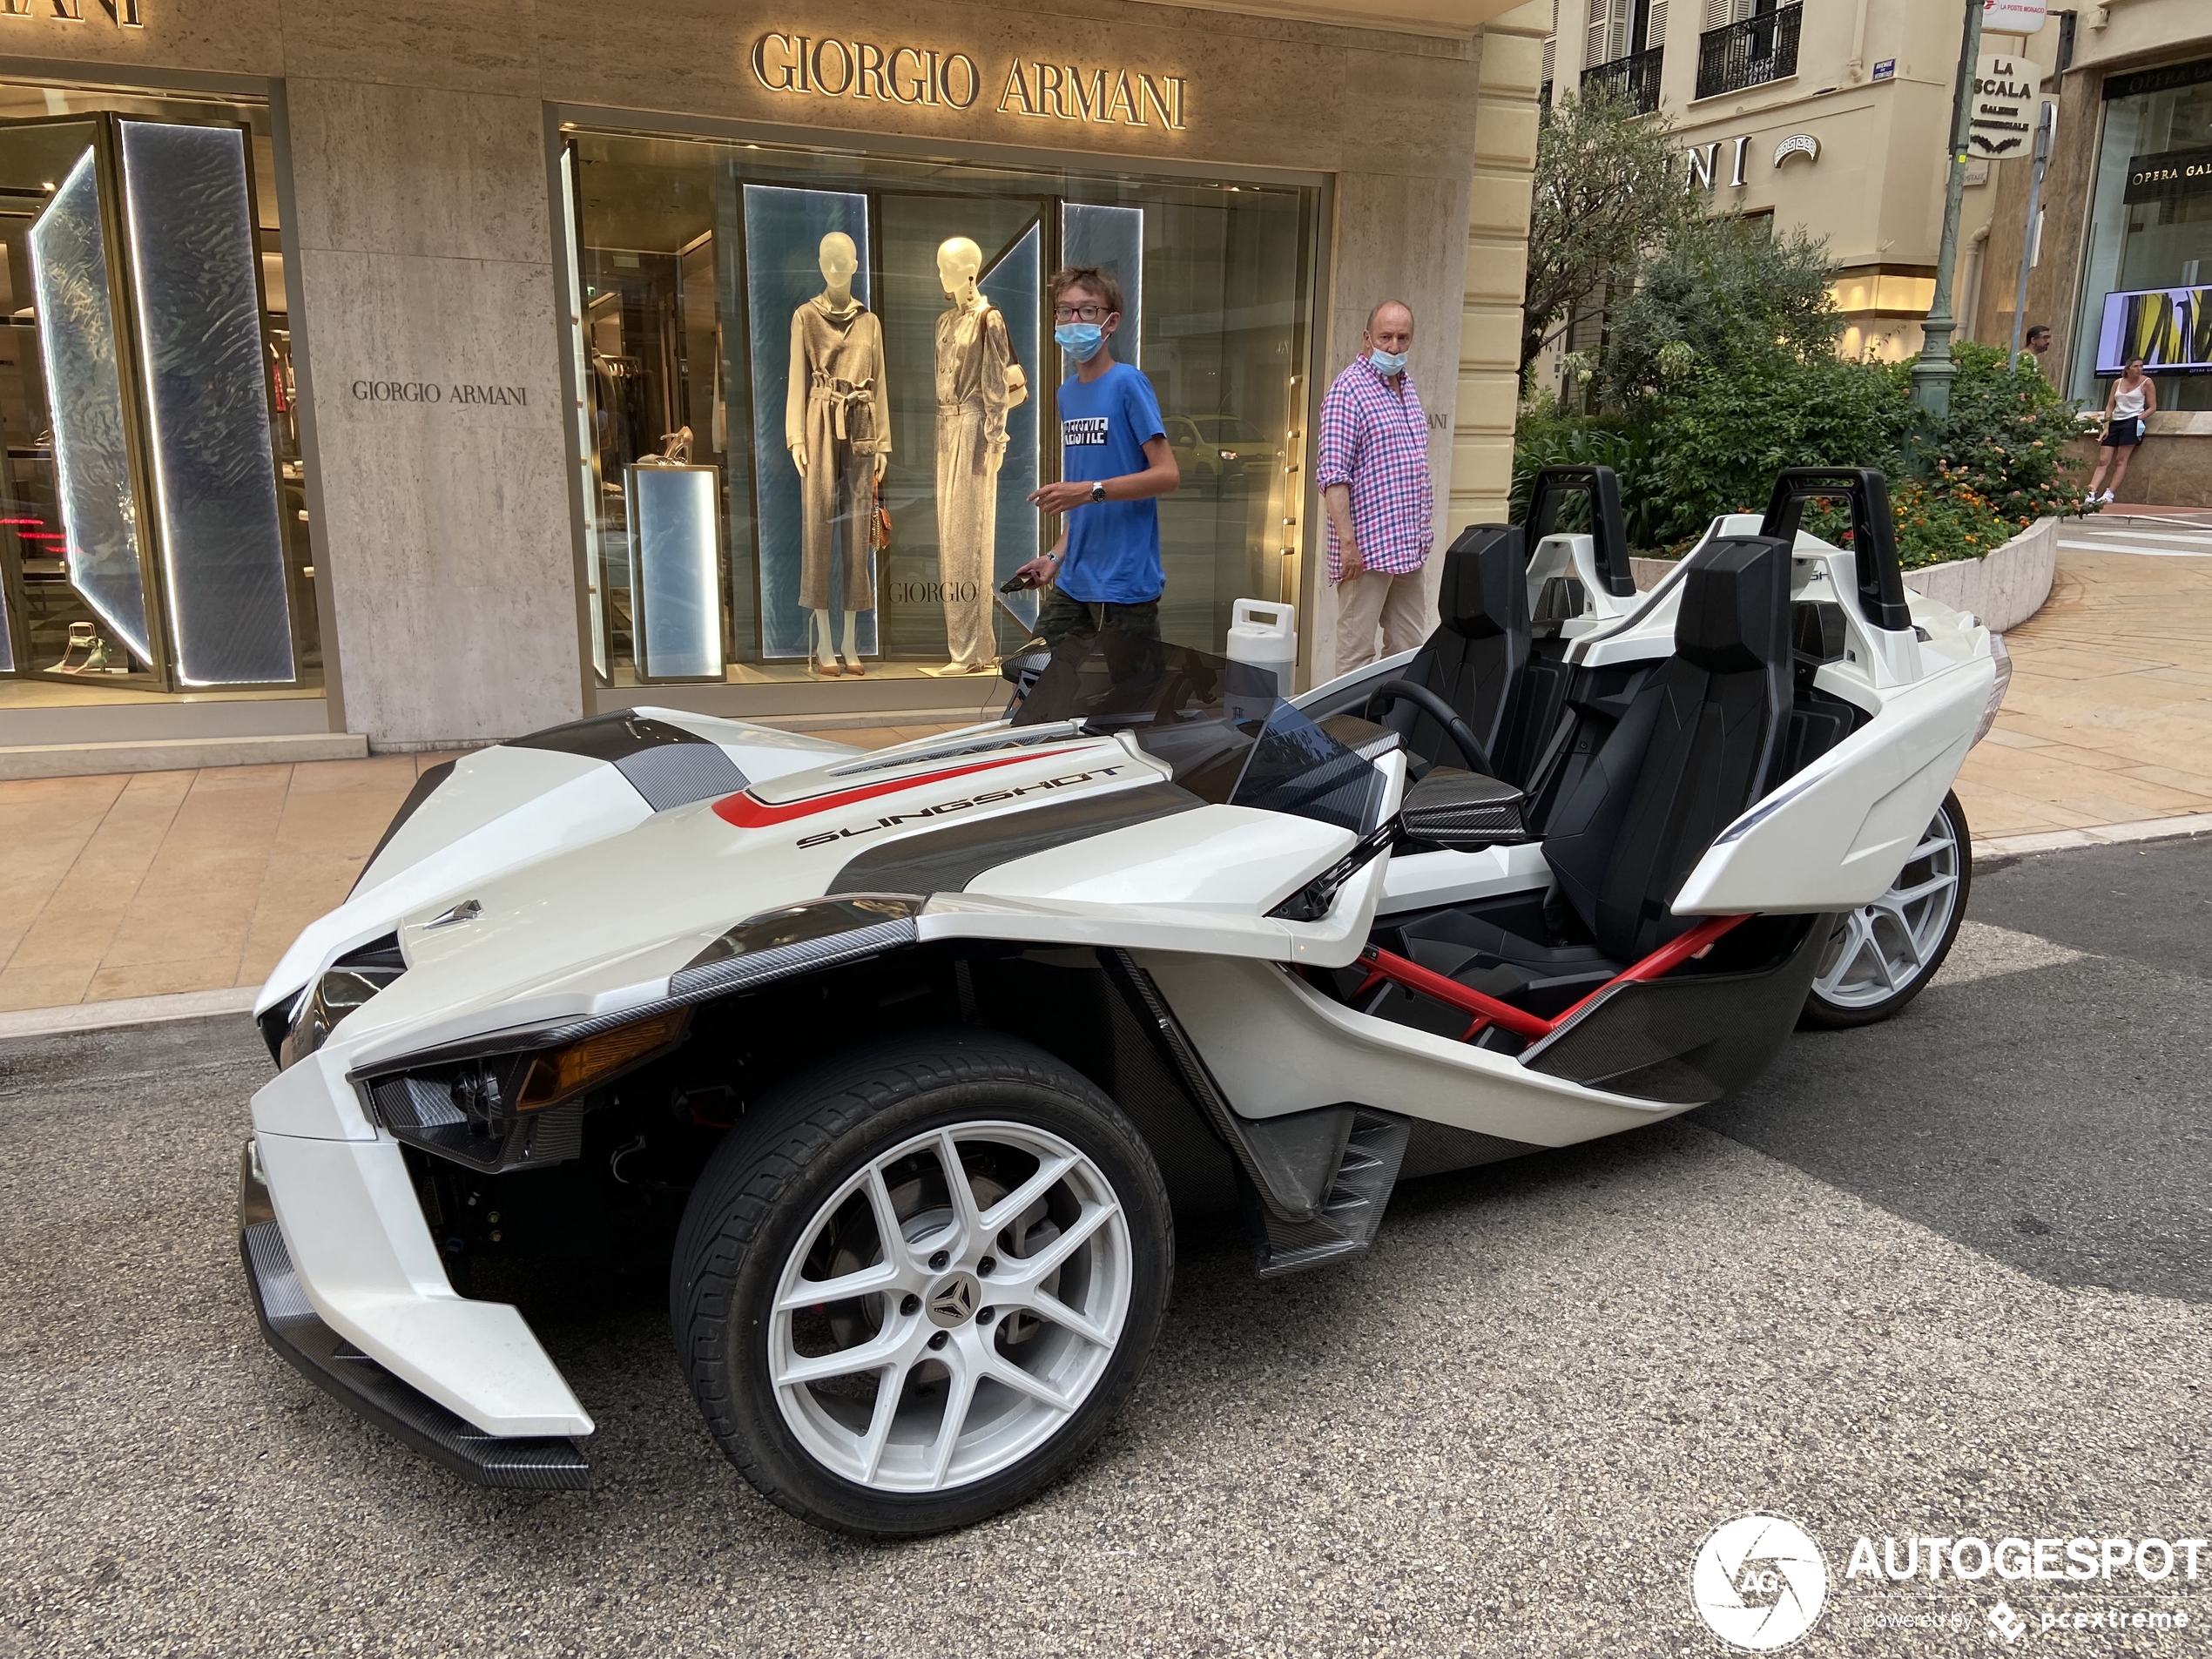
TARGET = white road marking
(2148,552)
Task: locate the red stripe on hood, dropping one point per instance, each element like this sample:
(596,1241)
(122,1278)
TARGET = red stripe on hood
(748,812)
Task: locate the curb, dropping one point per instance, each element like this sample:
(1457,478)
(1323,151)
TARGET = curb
(126,1011)
(2148,829)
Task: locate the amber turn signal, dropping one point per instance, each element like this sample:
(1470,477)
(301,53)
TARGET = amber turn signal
(560,1073)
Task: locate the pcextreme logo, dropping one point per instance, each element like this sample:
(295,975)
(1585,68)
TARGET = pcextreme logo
(1758,1582)
(985,798)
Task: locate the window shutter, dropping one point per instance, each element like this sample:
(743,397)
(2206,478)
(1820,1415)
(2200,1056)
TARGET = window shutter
(1719,13)
(1551,45)
(1601,26)
(1654,26)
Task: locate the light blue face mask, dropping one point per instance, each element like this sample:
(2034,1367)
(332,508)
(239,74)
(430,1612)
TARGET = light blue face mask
(1388,362)
(1081,341)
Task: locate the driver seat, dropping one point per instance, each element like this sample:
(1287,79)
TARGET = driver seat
(1476,659)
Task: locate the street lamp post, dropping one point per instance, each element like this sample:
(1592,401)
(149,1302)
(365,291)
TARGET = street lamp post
(1933,374)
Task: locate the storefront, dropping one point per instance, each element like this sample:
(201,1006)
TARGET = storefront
(433,377)
(153,538)
(2147,270)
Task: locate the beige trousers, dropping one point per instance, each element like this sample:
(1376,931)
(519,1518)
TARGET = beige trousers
(968,510)
(1398,605)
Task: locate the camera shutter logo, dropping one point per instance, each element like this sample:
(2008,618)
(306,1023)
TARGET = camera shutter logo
(1758,1582)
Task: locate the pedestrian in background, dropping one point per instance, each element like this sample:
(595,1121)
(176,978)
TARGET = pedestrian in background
(2129,407)
(1114,464)
(2039,343)
(1372,469)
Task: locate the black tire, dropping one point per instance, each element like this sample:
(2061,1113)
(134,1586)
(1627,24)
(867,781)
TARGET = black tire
(768,1180)
(1823,1014)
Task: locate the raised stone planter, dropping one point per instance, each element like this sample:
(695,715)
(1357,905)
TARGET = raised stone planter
(2003,590)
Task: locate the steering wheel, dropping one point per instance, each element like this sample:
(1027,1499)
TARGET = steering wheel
(1437,709)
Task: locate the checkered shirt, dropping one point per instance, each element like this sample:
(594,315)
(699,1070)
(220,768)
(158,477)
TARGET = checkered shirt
(1376,440)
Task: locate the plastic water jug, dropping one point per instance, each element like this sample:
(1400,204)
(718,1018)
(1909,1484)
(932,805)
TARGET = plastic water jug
(1265,635)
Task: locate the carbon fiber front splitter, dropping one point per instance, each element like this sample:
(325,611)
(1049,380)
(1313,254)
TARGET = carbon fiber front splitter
(293,1329)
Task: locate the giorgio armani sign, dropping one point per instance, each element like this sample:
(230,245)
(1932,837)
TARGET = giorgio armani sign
(828,66)
(123,14)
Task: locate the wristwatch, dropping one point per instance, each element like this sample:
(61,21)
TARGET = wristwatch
(1098,491)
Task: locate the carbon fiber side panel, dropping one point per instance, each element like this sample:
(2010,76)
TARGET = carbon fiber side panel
(1687,1040)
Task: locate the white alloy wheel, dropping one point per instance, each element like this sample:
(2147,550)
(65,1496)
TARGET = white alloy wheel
(1880,956)
(950,1306)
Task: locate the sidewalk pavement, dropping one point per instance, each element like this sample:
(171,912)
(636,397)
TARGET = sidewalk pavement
(2108,720)
(158,895)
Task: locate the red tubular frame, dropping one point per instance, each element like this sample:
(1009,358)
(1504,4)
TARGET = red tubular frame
(1382,965)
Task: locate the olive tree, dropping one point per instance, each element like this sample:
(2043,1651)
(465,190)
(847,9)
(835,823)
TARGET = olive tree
(1609,184)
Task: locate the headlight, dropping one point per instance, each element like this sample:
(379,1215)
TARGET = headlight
(520,1107)
(349,981)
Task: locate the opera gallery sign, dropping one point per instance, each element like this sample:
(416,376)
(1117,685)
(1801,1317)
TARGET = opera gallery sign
(829,67)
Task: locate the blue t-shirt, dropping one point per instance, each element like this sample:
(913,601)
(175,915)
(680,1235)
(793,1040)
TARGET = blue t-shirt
(1113,553)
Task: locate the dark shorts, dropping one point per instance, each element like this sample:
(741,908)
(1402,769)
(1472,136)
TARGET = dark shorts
(2123,434)
(1127,637)
(1062,617)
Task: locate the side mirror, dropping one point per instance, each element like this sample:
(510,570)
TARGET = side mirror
(1462,811)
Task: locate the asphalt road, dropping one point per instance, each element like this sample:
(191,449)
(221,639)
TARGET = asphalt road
(1945,1277)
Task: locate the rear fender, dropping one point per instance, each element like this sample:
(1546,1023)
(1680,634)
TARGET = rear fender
(1835,836)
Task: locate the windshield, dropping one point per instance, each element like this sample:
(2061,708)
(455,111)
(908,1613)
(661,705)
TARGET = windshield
(1220,726)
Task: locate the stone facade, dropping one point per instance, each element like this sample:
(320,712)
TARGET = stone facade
(418,139)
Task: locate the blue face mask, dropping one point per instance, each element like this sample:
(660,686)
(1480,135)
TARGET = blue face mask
(1081,341)
(1388,362)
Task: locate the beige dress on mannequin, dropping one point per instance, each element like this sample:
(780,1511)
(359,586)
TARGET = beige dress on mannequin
(973,357)
(837,411)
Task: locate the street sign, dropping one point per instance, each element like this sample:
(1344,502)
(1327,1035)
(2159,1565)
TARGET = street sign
(2004,105)
(2011,17)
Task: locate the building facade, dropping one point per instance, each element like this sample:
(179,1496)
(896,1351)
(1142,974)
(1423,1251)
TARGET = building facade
(1831,116)
(429,374)
(2121,244)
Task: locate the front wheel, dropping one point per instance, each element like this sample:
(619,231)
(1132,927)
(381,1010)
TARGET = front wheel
(913,1287)
(1881,957)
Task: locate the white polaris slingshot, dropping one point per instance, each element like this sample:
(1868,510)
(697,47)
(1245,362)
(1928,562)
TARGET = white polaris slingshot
(906,1060)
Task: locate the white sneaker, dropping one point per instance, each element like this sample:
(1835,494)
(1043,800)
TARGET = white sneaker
(2105,500)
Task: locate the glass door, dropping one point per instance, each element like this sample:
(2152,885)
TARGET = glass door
(144,546)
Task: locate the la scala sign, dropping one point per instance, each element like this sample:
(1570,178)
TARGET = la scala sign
(829,66)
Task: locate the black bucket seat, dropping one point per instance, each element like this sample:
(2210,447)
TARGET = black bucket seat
(1698,745)
(1475,659)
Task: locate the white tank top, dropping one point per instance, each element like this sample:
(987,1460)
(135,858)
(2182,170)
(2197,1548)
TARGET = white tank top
(2126,405)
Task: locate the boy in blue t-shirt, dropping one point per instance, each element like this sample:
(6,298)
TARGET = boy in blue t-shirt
(1115,462)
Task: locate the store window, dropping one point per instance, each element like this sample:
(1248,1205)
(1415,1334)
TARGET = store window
(818,391)
(152,500)
(2147,288)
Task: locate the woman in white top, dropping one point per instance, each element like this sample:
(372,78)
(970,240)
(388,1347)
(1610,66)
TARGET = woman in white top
(2131,400)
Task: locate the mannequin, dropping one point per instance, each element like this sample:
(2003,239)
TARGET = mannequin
(837,424)
(978,380)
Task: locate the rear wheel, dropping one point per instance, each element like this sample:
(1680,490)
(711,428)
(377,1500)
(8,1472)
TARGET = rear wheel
(920,1285)
(1881,957)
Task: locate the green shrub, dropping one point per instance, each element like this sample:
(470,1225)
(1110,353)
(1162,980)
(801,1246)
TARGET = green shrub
(2005,438)
(1937,522)
(1721,439)
(1568,440)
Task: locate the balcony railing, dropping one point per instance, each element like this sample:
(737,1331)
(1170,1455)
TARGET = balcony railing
(1635,77)
(1749,52)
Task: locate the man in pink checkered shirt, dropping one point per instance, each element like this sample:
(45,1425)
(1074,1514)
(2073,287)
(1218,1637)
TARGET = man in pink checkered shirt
(1372,469)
